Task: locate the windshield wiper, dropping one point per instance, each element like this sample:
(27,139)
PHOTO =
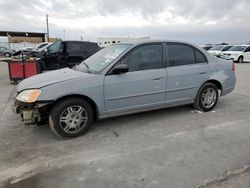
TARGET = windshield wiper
(75,67)
(86,67)
(80,68)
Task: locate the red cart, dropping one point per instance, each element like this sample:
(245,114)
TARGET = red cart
(21,69)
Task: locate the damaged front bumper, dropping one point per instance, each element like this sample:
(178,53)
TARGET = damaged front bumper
(32,113)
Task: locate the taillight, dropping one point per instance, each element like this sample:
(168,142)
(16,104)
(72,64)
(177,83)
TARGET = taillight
(233,66)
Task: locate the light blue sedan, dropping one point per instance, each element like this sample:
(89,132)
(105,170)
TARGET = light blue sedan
(123,79)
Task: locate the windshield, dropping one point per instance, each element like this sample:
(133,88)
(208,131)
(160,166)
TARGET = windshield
(237,48)
(226,48)
(53,48)
(100,60)
(217,48)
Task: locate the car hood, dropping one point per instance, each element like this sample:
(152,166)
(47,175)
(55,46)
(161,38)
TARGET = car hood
(214,51)
(49,78)
(232,52)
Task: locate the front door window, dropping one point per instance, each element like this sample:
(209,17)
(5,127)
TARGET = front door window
(144,58)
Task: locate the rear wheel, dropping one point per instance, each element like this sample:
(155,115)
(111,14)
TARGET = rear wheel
(207,97)
(71,117)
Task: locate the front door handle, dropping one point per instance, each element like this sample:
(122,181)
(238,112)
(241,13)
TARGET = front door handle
(202,72)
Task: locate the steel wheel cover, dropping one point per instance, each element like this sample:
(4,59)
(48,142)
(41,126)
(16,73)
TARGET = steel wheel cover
(73,119)
(208,97)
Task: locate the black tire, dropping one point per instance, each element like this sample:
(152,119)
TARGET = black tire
(7,54)
(240,60)
(42,66)
(60,108)
(199,100)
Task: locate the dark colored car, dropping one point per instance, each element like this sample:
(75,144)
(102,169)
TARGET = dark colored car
(67,54)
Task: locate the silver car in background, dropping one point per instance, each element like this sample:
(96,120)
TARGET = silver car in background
(123,79)
(7,52)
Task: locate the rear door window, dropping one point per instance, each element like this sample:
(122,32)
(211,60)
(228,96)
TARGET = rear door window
(180,54)
(200,57)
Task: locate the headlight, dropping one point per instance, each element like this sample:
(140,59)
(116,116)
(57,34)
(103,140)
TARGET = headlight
(28,96)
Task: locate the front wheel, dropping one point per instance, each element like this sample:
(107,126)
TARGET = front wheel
(42,66)
(240,60)
(71,117)
(207,97)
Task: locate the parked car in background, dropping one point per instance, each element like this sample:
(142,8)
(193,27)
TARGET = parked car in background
(42,45)
(123,79)
(38,47)
(217,50)
(207,46)
(2,50)
(33,52)
(38,52)
(240,53)
(67,54)
(27,48)
(6,52)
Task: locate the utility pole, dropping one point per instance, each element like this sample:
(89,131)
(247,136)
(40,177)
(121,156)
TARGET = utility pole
(8,40)
(47,22)
(63,33)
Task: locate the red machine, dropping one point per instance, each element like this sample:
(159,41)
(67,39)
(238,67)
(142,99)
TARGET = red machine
(19,70)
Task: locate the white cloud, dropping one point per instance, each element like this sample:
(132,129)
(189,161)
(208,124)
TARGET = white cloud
(212,20)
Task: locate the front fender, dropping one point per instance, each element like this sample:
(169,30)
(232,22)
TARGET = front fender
(92,89)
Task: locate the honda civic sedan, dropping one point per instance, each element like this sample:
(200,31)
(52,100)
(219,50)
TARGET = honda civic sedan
(123,79)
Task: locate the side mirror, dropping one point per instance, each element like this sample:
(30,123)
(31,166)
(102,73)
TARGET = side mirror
(120,68)
(45,52)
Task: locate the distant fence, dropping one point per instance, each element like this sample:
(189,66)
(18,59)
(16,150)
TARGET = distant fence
(17,46)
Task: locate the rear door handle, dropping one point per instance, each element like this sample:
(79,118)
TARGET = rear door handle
(158,78)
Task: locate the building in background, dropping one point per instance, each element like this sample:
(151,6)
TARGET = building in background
(17,40)
(103,42)
(20,36)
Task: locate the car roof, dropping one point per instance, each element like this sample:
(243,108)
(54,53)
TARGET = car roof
(79,41)
(136,42)
(242,45)
(148,41)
